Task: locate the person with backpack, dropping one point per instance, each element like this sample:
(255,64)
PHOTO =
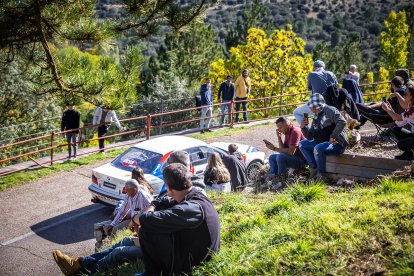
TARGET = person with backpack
(103,118)
(318,81)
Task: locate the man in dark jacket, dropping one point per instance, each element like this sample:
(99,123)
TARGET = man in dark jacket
(234,162)
(178,231)
(71,120)
(226,93)
(326,136)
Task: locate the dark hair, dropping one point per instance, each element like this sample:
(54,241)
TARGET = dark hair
(233,148)
(179,156)
(208,79)
(138,175)
(177,177)
(403,73)
(397,81)
(281,120)
(229,76)
(410,89)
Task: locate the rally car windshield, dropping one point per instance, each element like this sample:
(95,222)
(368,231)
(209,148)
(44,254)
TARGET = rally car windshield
(146,160)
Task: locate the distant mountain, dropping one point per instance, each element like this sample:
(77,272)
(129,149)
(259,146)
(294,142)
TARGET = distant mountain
(314,20)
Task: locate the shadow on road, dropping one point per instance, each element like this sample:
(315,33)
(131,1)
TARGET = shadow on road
(74,226)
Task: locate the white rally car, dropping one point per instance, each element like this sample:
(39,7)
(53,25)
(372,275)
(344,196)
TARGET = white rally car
(108,180)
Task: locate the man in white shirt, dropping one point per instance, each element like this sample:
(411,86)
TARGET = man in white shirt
(103,118)
(353,72)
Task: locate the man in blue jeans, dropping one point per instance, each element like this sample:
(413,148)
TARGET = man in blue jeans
(326,136)
(226,93)
(288,154)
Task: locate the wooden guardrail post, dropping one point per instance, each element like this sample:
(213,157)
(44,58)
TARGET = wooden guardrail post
(52,136)
(148,130)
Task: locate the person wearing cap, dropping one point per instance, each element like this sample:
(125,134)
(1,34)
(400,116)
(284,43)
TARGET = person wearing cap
(103,118)
(318,81)
(243,86)
(178,231)
(225,96)
(326,136)
(71,120)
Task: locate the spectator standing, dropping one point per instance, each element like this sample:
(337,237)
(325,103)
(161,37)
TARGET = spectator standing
(235,164)
(242,85)
(318,81)
(326,136)
(404,136)
(288,154)
(216,175)
(353,73)
(352,87)
(178,231)
(225,96)
(71,120)
(137,199)
(206,103)
(103,117)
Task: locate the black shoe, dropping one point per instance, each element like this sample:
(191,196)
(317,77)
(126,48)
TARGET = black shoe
(208,130)
(202,131)
(407,155)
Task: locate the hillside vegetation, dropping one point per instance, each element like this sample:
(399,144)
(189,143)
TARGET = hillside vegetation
(315,20)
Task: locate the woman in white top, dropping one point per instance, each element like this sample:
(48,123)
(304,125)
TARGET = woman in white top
(405,136)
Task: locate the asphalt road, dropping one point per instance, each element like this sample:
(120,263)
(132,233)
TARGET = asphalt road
(39,217)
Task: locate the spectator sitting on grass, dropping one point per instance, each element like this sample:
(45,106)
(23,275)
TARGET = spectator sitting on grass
(138,198)
(405,137)
(216,175)
(236,166)
(288,154)
(127,249)
(178,231)
(326,136)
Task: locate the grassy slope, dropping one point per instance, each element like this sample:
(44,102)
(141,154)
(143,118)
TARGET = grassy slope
(305,230)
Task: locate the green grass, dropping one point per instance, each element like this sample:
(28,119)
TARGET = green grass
(18,178)
(224,132)
(305,230)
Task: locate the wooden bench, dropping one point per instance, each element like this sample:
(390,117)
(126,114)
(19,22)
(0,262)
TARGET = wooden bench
(361,167)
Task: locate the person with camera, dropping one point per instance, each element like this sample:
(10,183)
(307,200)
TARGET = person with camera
(288,155)
(326,136)
(405,136)
(103,118)
(374,111)
(207,105)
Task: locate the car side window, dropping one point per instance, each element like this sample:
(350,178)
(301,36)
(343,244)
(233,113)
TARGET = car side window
(207,151)
(197,156)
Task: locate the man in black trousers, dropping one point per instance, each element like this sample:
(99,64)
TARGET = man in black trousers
(71,120)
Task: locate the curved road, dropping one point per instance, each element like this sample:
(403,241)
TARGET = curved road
(39,217)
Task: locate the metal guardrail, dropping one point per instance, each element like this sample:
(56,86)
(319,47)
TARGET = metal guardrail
(148,127)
